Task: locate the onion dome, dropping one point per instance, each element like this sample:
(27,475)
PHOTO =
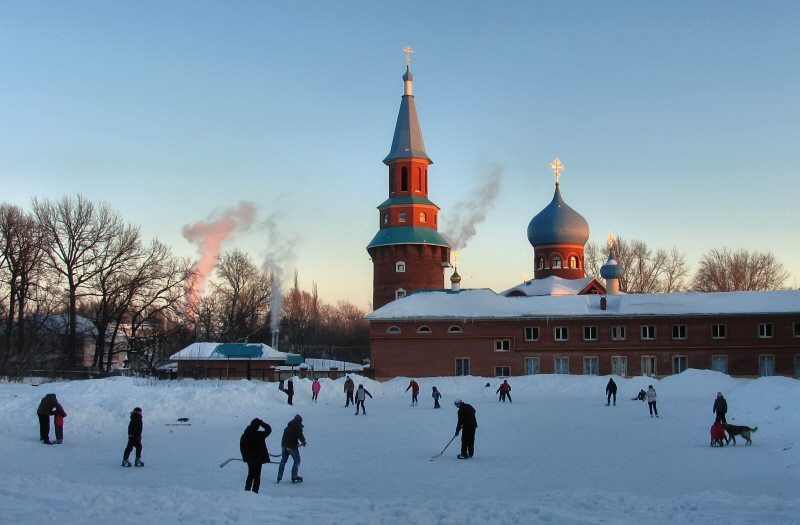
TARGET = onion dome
(558,223)
(455,278)
(611,269)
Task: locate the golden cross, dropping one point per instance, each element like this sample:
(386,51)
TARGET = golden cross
(557,166)
(455,259)
(610,239)
(408,52)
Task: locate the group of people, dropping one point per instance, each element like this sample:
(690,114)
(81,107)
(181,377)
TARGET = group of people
(650,396)
(253,447)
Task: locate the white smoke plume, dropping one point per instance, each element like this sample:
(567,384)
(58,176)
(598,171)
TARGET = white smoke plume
(208,235)
(281,252)
(460,225)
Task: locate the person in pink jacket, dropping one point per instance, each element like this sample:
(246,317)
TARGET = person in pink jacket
(315,387)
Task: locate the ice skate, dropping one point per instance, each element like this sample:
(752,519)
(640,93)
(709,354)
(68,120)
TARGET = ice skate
(298,479)
(138,463)
(126,463)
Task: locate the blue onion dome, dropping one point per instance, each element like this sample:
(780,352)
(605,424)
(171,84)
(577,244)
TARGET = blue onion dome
(558,223)
(611,269)
(407,76)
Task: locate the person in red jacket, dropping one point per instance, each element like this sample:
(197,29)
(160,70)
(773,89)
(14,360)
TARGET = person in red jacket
(505,391)
(414,392)
(58,424)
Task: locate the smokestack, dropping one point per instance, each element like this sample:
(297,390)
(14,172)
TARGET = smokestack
(275,337)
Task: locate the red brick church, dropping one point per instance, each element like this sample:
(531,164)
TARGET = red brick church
(559,322)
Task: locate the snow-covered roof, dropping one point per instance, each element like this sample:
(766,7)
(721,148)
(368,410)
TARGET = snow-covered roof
(486,304)
(229,351)
(324,365)
(552,285)
(58,323)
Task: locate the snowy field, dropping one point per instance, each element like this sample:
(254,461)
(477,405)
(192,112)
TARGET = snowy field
(556,455)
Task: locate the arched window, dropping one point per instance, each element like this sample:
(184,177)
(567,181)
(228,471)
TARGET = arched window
(556,262)
(419,180)
(393,330)
(426,180)
(404,179)
(399,293)
(385,218)
(391,180)
(424,330)
(454,329)
(402,216)
(540,263)
(573,261)
(423,217)
(400,267)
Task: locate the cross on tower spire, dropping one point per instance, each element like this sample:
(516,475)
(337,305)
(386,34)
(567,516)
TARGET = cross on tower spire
(408,52)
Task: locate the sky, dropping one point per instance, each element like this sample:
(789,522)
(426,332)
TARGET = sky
(554,455)
(677,122)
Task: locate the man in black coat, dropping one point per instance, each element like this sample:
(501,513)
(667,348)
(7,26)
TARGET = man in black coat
(253,446)
(466,425)
(611,390)
(134,438)
(292,439)
(46,407)
(720,408)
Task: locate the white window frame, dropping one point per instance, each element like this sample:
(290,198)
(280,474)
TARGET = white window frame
(591,336)
(502,345)
(721,331)
(561,333)
(649,363)
(400,267)
(680,328)
(393,330)
(424,329)
(454,330)
(619,365)
(766,330)
(715,359)
(561,360)
(591,365)
(399,293)
(528,367)
(529,336)
(763,369)
(619,333)
(556,262)
(644,332)
(676,361)
(501,369)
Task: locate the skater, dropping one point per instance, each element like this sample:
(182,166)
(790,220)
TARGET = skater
(349,386)
(315,388)
(611,390)
(253,446)
(720,408)
(414,392)
(436,396)
(641,396)
(467,423)
(58,425)
(292,439)
(505,391)
(134,439)
(48,404)
(288,390)
(651,400)
(361,395)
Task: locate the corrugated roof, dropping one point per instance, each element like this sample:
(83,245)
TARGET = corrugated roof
(408,235)
(230,351)
(406,199)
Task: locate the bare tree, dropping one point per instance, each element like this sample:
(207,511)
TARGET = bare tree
(725,270)
(643,270)
(300,315)
(82,234)
(243,294)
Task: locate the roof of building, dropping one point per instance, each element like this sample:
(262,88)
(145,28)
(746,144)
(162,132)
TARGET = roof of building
(486,304)
(407,235)
(406,199)
(324,365)
(558,223)
(230,351)
(407,141)
(553,285)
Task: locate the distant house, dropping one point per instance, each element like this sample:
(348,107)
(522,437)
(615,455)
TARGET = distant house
(232,361)
(316,368)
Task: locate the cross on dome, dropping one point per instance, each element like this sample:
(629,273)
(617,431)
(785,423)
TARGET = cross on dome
(557,167)
(408,52)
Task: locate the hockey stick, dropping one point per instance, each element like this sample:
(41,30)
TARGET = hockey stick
(445,448)
(240,459)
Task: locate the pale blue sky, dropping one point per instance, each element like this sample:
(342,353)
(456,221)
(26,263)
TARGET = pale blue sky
(678,122)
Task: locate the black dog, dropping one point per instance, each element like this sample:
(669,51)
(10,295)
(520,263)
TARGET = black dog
(737,430)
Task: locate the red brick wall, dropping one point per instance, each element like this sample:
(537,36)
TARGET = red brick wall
(424,270)
(564,250)
(414,354)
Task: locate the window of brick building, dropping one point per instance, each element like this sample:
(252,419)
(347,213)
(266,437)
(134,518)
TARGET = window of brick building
(618,333)
(719,331)
(679,331)
(531,333)
(648,332)
(561,333)
(502,345)
(590,333)
(765,330)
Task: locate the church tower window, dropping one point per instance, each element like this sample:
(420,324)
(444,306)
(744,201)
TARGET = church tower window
(556,262)
(402,216)
(400,267)
(404,179)
(540,263)
(423,217)
(573,261)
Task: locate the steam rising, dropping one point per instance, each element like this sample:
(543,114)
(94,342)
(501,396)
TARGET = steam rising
(209,235)
(459,228)
(281,252)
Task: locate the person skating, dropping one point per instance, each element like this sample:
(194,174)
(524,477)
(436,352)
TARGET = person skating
(349,386)
(315,388)
(651,400)
(611,391)
(253,446)
(505,391)
(436,396)
(288,390)
(467,423)
(134,439)
(414,386)
(361,396)
(290,443)
(47,406)
(720,408)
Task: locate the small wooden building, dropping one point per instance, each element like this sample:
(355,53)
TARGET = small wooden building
(232,361)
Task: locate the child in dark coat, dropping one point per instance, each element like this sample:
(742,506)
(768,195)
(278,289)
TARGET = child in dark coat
(134,439)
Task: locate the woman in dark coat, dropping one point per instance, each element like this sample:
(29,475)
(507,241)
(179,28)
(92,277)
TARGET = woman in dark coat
(720,408)
(253,446)
(46,407)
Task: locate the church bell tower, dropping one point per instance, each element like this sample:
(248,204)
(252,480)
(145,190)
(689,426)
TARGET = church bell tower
(408,252)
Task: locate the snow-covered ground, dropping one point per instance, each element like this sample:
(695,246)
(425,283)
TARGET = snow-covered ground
(556,454)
